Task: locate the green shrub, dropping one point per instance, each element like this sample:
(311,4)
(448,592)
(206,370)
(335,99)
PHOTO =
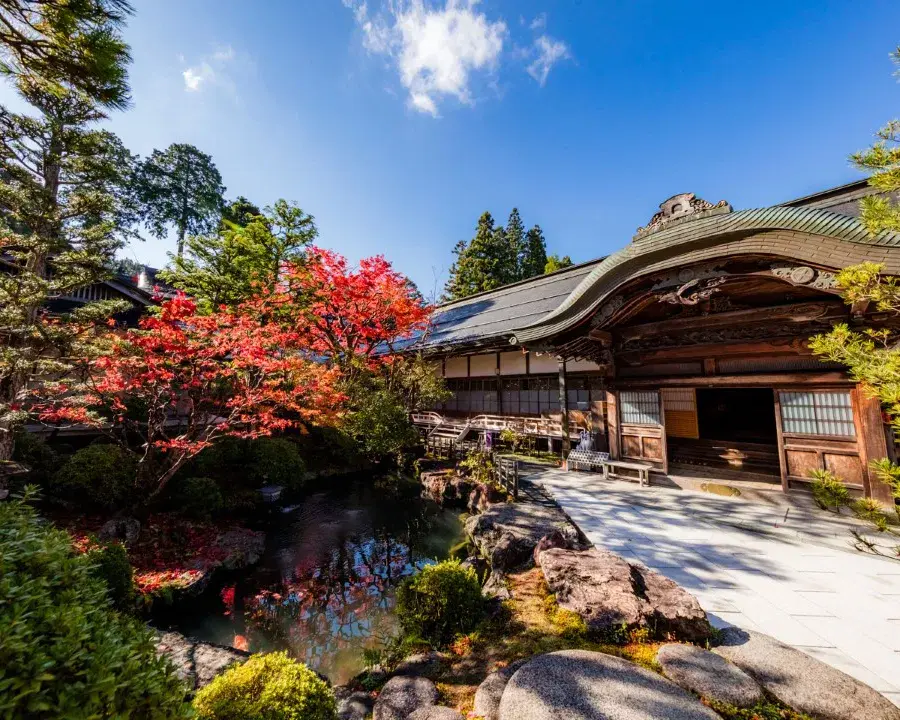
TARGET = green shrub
(479,465)
(200,498)
(276,461)
(267,687)
(829,492)
(98,477)
(64,652)
(440,602)
(114,569)
(225,458)
(35,454)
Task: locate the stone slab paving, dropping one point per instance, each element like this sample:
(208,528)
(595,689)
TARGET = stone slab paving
(781,569)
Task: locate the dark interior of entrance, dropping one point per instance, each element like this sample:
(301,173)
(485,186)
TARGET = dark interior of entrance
(737,414)
(737,433)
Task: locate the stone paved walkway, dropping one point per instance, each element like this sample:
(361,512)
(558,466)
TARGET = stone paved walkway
(784,570)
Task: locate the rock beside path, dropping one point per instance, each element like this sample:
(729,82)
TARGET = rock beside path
(402,695)
(435,712)
(709,675)
(197,662)
(582,685)
(801,681)
(611,594)
(489,693)
(352,705)
(506,534)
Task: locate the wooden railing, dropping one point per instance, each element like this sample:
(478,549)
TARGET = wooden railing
(506,473)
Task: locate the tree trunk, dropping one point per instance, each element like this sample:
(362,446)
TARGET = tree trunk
(7,444)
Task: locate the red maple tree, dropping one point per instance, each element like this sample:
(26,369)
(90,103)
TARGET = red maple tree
(182,380)
(346,314)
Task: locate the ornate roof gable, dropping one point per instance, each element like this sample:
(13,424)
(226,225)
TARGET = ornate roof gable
(679,208)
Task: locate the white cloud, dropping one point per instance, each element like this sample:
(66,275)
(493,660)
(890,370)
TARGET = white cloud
(540,22)
(211,71)
(436,50)
(549,52)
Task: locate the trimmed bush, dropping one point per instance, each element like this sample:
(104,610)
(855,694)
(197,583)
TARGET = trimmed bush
(64,652)
(111,565)
(276,461)
(199,498)
(267,687)
(440,602)
(100,477)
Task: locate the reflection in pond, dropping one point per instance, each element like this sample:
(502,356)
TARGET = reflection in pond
(325,589)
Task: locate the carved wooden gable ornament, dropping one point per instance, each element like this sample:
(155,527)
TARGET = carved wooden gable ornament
(679,208)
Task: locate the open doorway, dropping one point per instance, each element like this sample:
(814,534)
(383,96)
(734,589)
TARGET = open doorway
(734,429)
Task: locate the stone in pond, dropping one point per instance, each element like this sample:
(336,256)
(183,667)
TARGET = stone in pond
(583,685)
(402,695)
(487,697)
(709,675)
(435,712)
(801,681)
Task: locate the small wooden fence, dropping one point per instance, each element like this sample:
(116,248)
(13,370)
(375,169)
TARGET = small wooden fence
(506,471)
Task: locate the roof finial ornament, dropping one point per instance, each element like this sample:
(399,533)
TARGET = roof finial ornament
(679,207)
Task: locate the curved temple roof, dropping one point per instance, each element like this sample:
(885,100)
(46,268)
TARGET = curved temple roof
(541,307)
(673,245)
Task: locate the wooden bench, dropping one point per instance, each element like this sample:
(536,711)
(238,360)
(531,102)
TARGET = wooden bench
(611,468)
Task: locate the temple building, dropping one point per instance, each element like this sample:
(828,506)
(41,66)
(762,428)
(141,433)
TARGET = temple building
(686,348)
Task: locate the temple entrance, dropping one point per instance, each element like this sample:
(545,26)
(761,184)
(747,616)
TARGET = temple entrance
(723,429)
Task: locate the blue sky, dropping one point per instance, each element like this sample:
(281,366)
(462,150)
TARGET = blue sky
(397,123)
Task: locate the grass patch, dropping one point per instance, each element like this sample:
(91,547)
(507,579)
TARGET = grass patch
(766,710)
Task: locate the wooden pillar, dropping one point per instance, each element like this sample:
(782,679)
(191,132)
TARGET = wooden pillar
(612,424)
(564,408)
(872,443)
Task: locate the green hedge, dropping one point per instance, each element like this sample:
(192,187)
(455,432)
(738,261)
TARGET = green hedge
(112,566)
(440,602)
(267,687)
(101,477)
(64,652)
(200,498)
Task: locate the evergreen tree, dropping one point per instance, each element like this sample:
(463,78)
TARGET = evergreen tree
(481,264)
(533,256)
(515,236)
(180,187)
(225,268)
(555,262)
(71,45)
(883,161)
(62,204)
(240,211)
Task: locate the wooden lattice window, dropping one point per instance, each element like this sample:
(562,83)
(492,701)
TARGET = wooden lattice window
(817,413)
(639,407)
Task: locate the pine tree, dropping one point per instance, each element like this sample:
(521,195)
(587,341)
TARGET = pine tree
(515,236)
(883,161)
(62,203)
(180,187)
(533,257)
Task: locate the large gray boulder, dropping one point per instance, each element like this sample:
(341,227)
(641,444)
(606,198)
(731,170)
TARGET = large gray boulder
(582,685)
(435,712)
(709,675)
(506,534)
(196,662)
(352,705)
(610,594)
(489,693)
(801,681)
(402,695)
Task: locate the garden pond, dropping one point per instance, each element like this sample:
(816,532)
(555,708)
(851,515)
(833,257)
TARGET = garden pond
(324,590)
